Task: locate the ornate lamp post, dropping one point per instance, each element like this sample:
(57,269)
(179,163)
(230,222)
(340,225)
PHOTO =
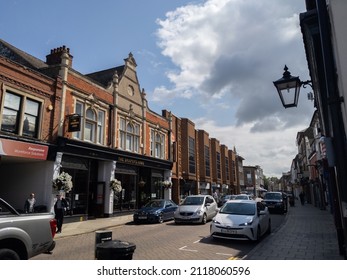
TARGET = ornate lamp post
(288,88)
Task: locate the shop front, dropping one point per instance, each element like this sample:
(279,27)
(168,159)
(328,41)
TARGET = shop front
(143,179)
(92,168)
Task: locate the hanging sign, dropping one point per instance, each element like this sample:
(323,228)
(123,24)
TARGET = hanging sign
(74,123)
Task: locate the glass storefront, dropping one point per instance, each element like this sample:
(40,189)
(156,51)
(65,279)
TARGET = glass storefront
(126,199)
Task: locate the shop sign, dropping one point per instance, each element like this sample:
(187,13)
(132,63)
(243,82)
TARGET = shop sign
(131,161)
(74,123)
(23,149)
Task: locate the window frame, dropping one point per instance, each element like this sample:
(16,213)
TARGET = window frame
(157,144)
(191,155)
(129,135)
(21,114)
(97,127)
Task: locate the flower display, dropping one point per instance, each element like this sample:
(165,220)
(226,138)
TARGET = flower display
(63,182)
(116,185)
(167,184)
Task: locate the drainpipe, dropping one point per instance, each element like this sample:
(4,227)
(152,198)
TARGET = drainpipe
(63,73)
(113,135)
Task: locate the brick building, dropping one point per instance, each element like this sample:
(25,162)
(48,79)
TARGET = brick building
(98,127)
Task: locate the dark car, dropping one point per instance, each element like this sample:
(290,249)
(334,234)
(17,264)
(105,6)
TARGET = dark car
(156,211)
(276,202)
(225,198)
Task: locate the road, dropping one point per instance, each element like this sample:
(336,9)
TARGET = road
(166,241)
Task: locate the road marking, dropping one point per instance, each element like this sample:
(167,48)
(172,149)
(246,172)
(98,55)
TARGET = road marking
(184,249)
(197,241)
(233,258)
(222,254)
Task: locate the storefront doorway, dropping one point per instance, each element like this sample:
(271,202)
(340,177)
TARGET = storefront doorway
(126,199)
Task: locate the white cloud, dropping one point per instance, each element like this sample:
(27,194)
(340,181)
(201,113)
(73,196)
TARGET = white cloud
(225,55)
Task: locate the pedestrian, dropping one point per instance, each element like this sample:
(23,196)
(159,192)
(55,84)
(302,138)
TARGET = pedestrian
(302,198)
(60,207)
(29,205)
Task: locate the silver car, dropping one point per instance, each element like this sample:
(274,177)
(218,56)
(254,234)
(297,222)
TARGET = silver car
(196,209)
(242,220)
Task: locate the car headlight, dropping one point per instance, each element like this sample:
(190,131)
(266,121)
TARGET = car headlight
(199,212)
(248,223)
(215,222)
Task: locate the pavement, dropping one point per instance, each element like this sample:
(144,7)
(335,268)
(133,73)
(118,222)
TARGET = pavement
(307,233)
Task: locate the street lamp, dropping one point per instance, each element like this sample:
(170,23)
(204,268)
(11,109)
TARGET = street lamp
(288,88)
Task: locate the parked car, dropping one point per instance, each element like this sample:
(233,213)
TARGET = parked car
(241,220)
(23,236)
(276,202)
(156,211)
(196,209)
(225,198)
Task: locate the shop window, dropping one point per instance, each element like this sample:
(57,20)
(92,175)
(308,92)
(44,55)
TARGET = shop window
(20,115)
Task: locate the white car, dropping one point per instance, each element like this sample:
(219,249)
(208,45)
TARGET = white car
(241,220)
(196,209)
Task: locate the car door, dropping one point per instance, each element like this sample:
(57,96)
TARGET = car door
(169,209)
(263,219)
(211,208)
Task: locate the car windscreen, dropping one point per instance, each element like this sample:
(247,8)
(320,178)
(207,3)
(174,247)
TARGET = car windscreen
(238,209)
(193,201)
(273,196)
(155,204)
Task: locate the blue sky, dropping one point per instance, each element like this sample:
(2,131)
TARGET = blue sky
(211,61)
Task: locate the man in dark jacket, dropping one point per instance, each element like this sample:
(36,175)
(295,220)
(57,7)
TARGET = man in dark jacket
(60,207)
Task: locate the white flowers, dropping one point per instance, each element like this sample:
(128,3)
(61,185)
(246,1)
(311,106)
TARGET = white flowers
(63,182)
(167,184)
(116,185)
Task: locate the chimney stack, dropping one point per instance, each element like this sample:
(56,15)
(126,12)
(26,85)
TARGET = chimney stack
(55,57)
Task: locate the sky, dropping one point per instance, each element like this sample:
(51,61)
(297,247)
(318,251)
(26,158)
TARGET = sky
(211,61)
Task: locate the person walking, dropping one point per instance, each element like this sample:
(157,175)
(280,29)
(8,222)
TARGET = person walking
(29,205)
(60,207)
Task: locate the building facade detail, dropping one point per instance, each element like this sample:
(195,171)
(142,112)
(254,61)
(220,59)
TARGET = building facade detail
(98,127)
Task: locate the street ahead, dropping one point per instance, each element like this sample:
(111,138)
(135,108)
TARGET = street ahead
(166,241)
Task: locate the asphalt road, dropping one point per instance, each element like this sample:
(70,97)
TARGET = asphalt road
(166,241)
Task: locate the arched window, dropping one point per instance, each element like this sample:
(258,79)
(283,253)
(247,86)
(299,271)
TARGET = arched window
(129,135)
(92,124)
(157,144)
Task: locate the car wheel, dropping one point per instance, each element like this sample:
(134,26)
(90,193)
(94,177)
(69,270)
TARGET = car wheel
(160,218)
(8,254)
(204,219)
